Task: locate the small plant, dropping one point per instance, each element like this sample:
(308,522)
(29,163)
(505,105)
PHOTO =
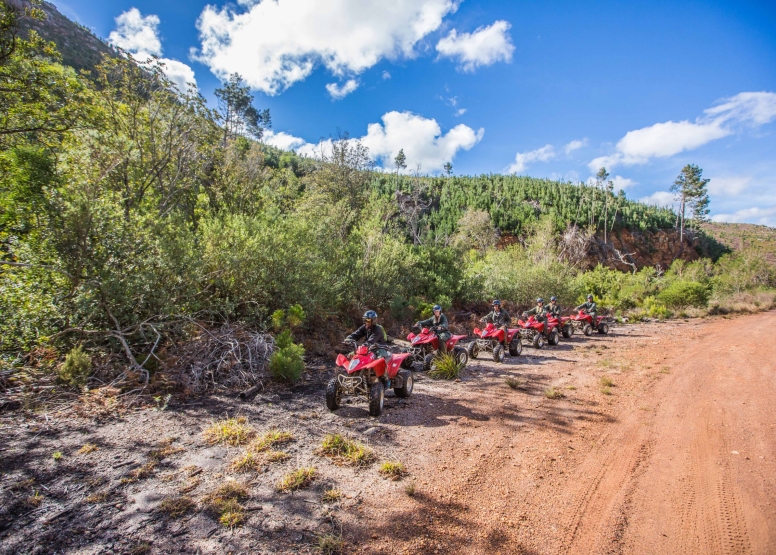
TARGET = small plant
(165,449)
(664,370)
(409,489)
(277,456)
(34,500)
(176,507)
(331,495)
(296,480)
(140,473)
(98,497)
(76,367)
(331,544)
(346,451)
(606,381)
(606,390)
(270,438)
(230,431)
(514,383)
(445,367)
(88,448)
(247,462)
(553,393)
(571,387)
(224,503)
(392,470)
(161,402)
(57,455)
(286,362)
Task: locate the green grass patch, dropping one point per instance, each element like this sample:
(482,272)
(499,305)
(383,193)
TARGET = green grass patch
(224,503)
(393,470)
(269,439)
(229,431)
(331,495)
(445,367)
(514,383)
(296,480)
(346,451)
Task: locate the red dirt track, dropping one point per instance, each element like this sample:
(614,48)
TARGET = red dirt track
(679,459)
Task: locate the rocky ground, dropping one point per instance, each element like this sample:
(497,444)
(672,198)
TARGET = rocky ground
(656,439)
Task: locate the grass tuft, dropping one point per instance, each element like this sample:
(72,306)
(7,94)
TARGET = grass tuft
(277,456)
(296,480)
(98,497)
(56,455)
(140,473)
(176,507)
(164,449)
(606,390)
(445,367)
(88,448)
(269,439)
(514,383)
(224,503)
(346,451)
(553,393)
(34,500)
(409,489)
(247,462)
(331,495)
(229,431)
(392,470)
(331,544)
(606,381)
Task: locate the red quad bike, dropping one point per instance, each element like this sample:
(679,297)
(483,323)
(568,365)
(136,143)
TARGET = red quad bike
(368,376)
(584,321)
(425,344)
(491,339)
(537,333)
(566,326)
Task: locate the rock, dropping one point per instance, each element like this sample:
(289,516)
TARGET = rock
(371,431)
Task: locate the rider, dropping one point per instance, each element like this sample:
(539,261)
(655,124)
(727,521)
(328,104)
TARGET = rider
(554,309)
(373,334)
(591,308)
(499,318)
(540,311)
(438,322)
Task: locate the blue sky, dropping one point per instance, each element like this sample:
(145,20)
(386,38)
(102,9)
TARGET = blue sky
(547,90)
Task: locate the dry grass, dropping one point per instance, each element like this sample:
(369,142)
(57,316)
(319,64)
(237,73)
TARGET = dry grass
(190,485)
(88,448)
(331,495)
(229,431)
(553,393)
(331,544)
(606,390)
(140,473)
(664,370)
(34,500)
(296,480)
(165,449)
(98,497)
(270,439)
(409,489)
(514,383)
(224,503)
(247,462)
(393,470)
(176,507)
(346,451)
(277,456)
(606,381)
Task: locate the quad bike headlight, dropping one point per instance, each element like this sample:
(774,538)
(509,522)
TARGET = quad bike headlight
(353,364)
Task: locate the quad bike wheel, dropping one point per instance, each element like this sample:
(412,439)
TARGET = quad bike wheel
(376,398)
(409,382)
(428,360)
(333,394)
(461,356)
(498,353)
(515,347)
(587,330)
(554,338)
(407,363)
(568,331)
(603,329)
(538,341)
(473,349)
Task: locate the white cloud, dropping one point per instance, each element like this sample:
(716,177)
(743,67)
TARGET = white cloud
(672,137)
(575,145)
(386,75)
(483,47)
(274,44)
(460,112)
(338,92)
(660,198)
(421,139)
(139,36)
(523,159)
(621,183)
(728,186)
(762,216)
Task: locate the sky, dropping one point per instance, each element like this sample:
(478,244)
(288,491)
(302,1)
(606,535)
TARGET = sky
(553,90)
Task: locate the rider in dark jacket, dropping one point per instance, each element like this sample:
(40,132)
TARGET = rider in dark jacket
(499,318)
(438,322)
(540,311)
(591,308)
(554,309)
(372,333)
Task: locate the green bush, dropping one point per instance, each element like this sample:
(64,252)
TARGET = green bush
(76,367)
(681,294)
(286,362)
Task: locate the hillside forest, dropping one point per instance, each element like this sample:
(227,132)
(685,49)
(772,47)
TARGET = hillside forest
(135,217)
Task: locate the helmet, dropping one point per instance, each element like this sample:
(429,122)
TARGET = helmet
(590,297)
(496,302)
(553,299)
(370,315)
(437,307)
(540,300)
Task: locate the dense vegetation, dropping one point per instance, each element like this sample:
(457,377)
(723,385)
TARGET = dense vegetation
(129,209)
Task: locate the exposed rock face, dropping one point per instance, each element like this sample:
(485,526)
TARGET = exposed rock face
(628,249)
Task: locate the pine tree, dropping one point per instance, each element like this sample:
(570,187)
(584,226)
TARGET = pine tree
(400,161)
(690,189)
(236,109)
(448,167)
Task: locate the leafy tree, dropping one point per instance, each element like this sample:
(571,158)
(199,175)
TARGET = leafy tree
(690,190)
(400,161)
(238,115)
(448,168)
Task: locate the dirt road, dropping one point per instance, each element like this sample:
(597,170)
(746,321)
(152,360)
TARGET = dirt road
(680,457)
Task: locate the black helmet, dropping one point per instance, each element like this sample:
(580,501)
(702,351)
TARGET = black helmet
(496,302)
(370,315)
(540,300)
(553,299)
(437,307)
(590,297)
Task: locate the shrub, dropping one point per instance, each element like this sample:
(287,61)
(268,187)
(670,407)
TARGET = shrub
(331,544)
(286,362)
(681,294)
(445,367)
(76,367)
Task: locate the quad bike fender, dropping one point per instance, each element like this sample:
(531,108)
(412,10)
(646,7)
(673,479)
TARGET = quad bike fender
(394,366)
(453,341)
(342,360)
(377,365)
